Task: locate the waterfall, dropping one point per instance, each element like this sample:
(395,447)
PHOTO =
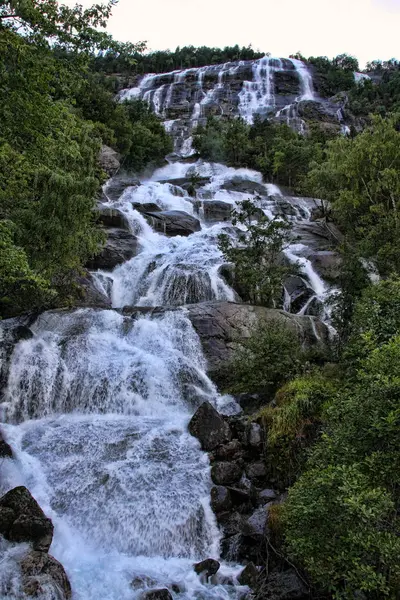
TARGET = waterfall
(98,401)
(307,92)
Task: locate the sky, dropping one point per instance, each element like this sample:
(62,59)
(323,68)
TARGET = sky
(367,29)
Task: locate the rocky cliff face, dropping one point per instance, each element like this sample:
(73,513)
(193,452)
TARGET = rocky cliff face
(278,88)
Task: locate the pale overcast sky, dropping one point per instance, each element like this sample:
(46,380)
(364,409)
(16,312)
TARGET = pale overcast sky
(368,29)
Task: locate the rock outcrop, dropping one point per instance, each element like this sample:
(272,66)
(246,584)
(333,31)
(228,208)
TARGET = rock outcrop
(22,520)
(109,160)
(221,327)
(120,247)
(173,222)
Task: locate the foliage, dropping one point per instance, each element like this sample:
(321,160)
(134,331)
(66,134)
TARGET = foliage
(19,285)
(269,357)
(294,423)
(162,61)
(256,252)
(341,518)
(333,76)
(361,178)
(382,96)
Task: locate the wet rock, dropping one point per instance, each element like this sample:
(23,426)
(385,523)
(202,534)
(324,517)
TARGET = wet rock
(41,571)
(146,207)
(249,575)
(285,585)
(216,210)
(209,427)
(90,295)
(120,247)
(220,499)
(30,523)
(7,518)
(109,160)
(117,185)
(161,594)
(249,403)
(241,497)
(256,525)
(298,293)
(226,473)
(256,471)
(209,567)
(241,184)
(266,496)
(111,217)
(232,523)
(5,449)
(140,582)
(229,451)
(173,222)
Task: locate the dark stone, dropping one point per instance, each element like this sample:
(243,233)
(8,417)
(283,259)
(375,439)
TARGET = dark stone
(250,403)
(173,222)
(256,525)
(120,247)
(140,582)
(112,217)
(243,185)
(5,449)
(30,524)
(208,566)
(285,585)
(90,295)
(7,518)
(146,207)
(216,210)
(161,594)
(209,427)
(117,185)
(256,471)
(232,523)
(226,473)
(21,332)
(29,528)
(39,569)
(327,264)
(298,292)
(220,499)
(229,451)
(249,575)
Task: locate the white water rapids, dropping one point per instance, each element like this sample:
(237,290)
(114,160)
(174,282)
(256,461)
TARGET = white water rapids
(97,407)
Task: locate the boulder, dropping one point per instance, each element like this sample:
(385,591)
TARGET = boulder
(90,295)
(116,186)
(209,567)
(256,471)
(120,247)
(5,449)
(226,473)
(41,573)
(209,427)
(256,525)
(216,210)
(161,594)
(246,186)
(173,222)
(220,499)
(111,217)
(285,585)
(146,207)
(249,575)
(109,160)
(222,326)
(229,451)
(30,524)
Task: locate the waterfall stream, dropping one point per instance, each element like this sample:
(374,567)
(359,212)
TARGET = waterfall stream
(98,402)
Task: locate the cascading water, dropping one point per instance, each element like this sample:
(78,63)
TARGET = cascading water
(98,401)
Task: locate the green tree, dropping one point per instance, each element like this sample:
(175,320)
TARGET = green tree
(256,253)
(361,178)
